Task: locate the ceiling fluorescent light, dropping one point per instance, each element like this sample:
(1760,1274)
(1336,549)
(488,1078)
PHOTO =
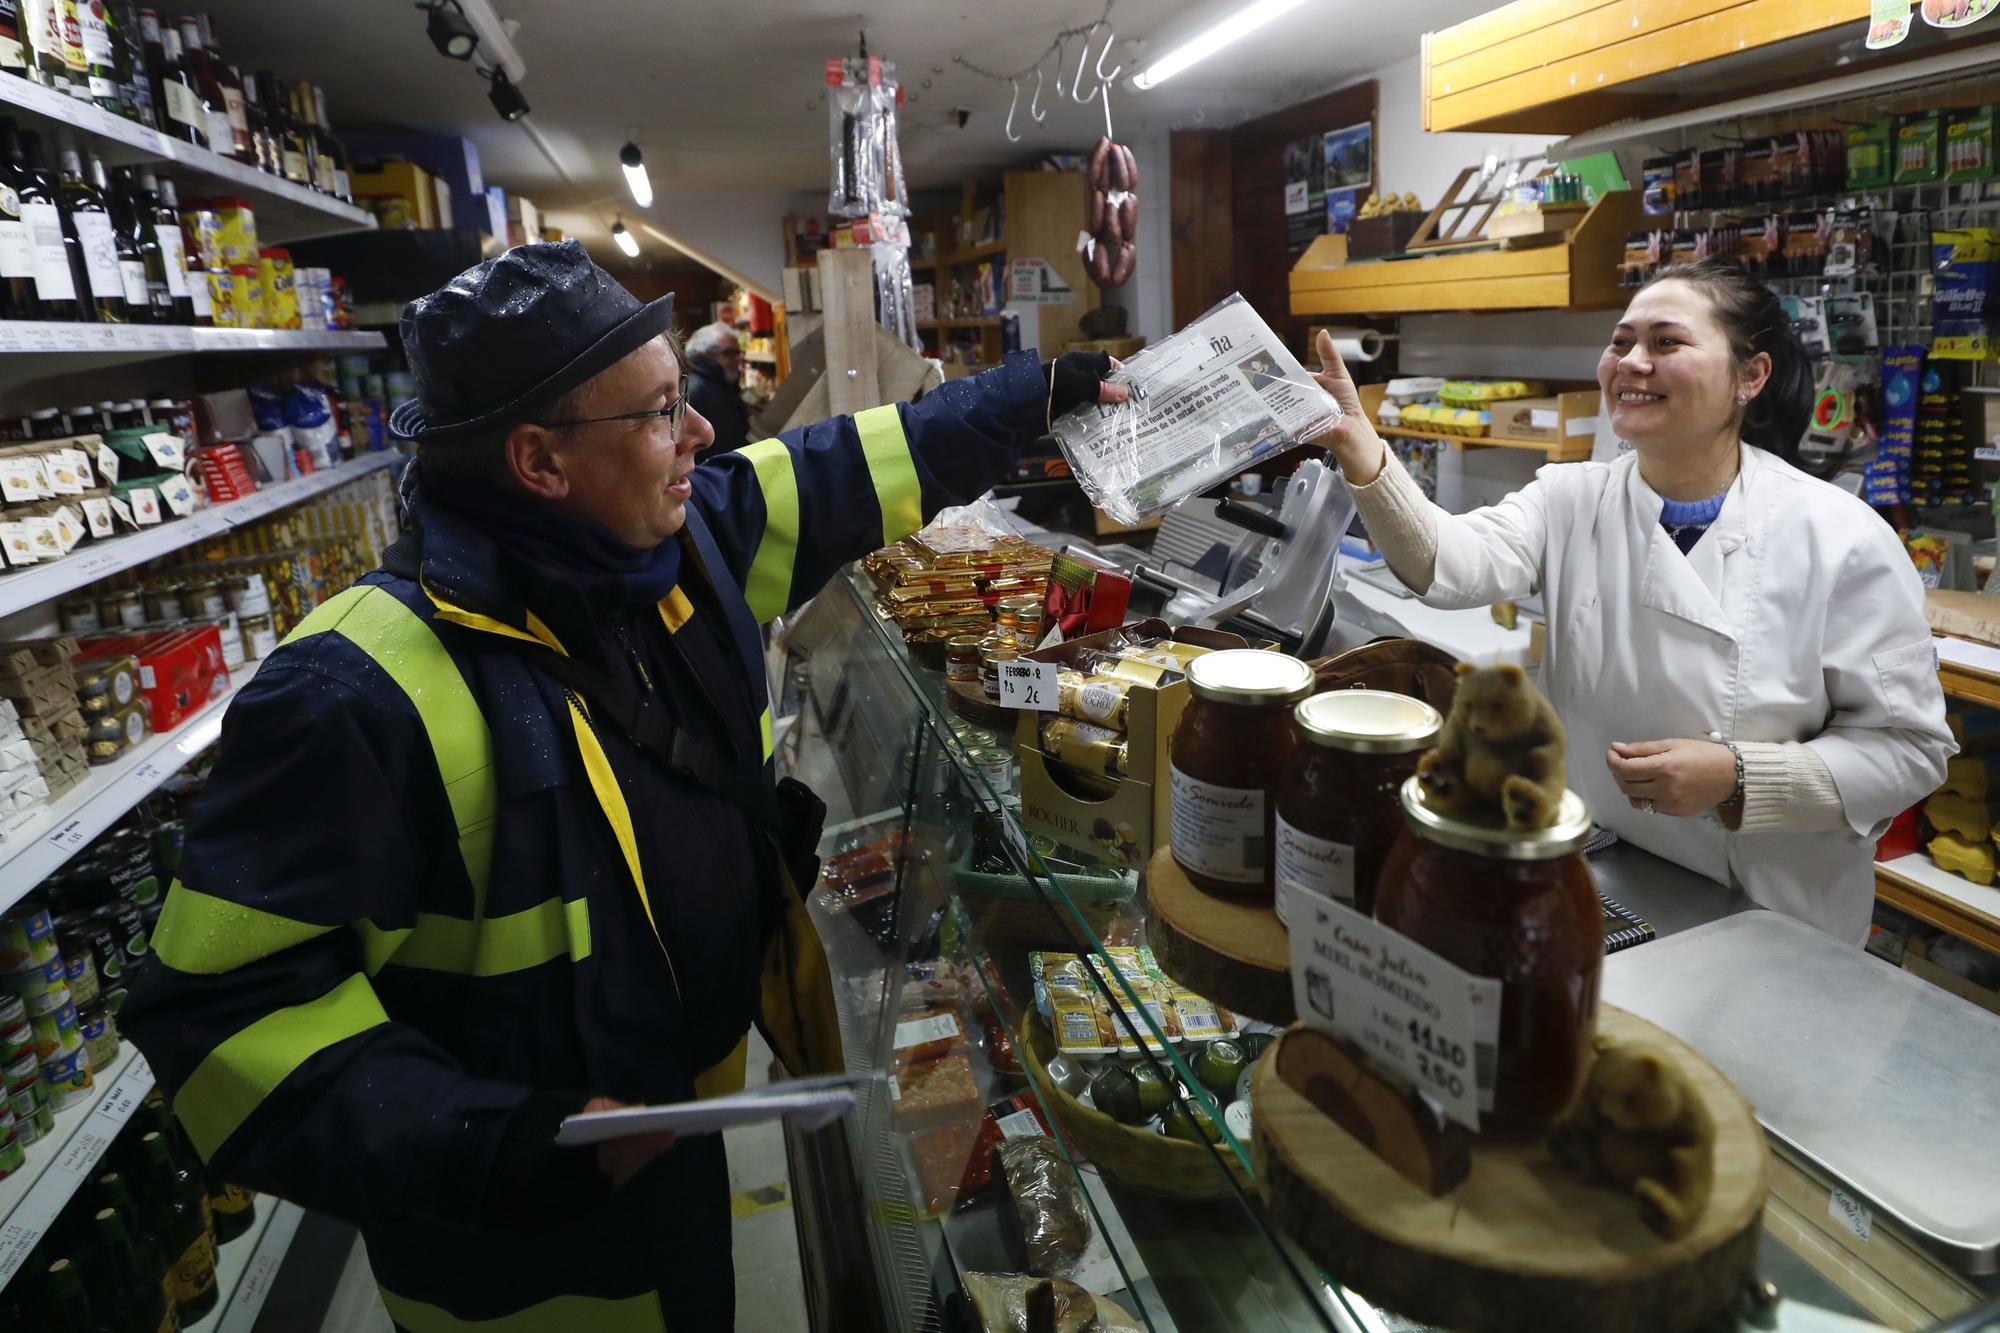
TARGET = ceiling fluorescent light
(1205,44)
(636,178)
(626,240)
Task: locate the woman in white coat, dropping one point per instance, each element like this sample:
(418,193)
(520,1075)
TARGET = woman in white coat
(1739,650)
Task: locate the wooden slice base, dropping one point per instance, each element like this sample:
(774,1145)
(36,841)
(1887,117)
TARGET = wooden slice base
(1233,951)
(1521,1245)
(970,702)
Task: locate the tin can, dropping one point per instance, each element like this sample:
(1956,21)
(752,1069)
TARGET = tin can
(250,309)
(40,986)
(27,939)
(225,298)
(162,602)
(82,975)
(23,1078)
(204,600)
(13,1152)
(79,616)
(236,241)
(100,1036)
(57,1032)
(995,767)
(260,637)
(66,1080)
(16,1040)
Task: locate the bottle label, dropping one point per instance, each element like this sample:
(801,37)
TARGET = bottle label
(53,281)
(221,134)
(17,253)
(184,106)
(197,292)
(100,254)
(295,165)
(1305,862)
(193,1275)
(1217,831)
(239,123)
(132,272)
(230,1200)
(104,90)
(342,186)
(325,174)
(13,55)
(169,1322)
(175,255)
(96,37)
(72,38)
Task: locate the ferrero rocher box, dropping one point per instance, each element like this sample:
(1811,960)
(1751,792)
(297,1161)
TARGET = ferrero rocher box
(1093,817)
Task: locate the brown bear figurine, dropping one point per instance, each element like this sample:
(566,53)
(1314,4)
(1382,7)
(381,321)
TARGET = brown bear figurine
(1500,752)
(1640,1126)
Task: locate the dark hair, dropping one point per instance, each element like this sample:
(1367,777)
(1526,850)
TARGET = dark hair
(1755,320)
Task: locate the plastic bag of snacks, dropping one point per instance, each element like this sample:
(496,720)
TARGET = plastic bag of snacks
(1215,398)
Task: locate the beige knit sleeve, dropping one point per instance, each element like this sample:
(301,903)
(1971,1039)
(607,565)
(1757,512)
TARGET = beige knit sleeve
(1787,788)
(1402,522)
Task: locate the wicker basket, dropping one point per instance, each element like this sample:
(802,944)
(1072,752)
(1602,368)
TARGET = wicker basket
(1132,1155)
(1006,906)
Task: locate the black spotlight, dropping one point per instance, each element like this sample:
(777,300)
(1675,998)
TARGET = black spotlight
(450,31)
(506,98)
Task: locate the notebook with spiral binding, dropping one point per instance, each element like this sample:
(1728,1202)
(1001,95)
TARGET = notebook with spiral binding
(1623,927)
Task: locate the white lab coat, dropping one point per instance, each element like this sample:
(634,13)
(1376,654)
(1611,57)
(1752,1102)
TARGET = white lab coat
(1797,617)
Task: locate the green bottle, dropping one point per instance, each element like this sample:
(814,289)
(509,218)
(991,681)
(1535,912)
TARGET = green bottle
(132,1296)
(175,1197)
(113,1191)
(65,1302)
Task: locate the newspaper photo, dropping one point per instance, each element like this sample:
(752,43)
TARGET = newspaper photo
(1206,403)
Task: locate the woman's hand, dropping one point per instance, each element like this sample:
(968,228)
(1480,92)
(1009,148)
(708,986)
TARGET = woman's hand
(1355,445)
(1678,777)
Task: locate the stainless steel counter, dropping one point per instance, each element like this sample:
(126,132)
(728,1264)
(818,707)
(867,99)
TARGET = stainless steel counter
(1671,897)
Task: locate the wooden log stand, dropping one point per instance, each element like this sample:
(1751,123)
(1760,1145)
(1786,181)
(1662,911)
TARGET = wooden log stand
(1521,1245)
(1233,951)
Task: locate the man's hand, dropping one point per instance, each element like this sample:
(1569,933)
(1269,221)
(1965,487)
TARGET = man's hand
(1355,445)
(1677,777)
(1076,378)
(622,1159)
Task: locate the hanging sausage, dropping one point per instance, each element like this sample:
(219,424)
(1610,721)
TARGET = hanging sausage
(1112,224)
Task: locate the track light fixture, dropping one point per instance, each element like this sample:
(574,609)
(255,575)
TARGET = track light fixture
(626,241)
(636,178)
(506,98)
(450,31)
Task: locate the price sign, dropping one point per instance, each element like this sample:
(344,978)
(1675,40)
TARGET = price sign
(1028,685)
(1416,1015)
(1851,1213)
(70,836)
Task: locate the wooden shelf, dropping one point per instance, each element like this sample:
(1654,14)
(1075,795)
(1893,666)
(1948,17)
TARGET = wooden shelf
(1566,449)
(1972,686)
(984,322)
(1581,273)
(1915,884)
(985,250)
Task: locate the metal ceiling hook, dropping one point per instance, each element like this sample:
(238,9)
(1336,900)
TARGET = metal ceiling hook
(1082,58)
(1012,103)
(1035,111)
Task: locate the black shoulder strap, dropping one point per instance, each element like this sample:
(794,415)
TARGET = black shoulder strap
(646,723)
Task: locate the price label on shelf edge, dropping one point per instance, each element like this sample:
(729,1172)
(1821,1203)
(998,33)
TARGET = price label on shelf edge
(1418,1016)
(1028,685)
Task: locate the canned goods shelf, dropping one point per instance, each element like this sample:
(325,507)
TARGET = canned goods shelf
(246,1267)
(44,583)
(27,337)
(59,1162)
(285,211)
(100,800)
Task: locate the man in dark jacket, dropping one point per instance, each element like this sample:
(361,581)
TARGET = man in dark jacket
(715,386)
(435,897)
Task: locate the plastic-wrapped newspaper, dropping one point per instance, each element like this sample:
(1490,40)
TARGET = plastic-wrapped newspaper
(1210,401)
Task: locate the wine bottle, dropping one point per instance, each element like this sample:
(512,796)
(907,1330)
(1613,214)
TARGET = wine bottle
(221,134)
(91,221)
(187,114)
(135,84)
(161,221)
(57,257)
(122,1287)
(17,254)
(100,73)
(292,161)
(75,63)
(231,86)
(41,24)
(66,1302)
(176,1200)
(342,186)
(150,301)
(263,143)
(13,42)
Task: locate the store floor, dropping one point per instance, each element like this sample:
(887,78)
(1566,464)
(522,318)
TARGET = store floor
(769,1297)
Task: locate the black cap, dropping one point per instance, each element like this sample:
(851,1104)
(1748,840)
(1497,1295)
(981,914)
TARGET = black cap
(506,338)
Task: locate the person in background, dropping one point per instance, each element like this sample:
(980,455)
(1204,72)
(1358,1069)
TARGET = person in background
(1738,649)
(495,836)
(715,386)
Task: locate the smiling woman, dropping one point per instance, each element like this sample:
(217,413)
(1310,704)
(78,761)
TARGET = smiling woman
(1738,648)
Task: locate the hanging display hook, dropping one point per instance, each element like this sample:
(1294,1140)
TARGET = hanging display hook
(1104,80)
(1035,112)
(1012,103)
(1076,84)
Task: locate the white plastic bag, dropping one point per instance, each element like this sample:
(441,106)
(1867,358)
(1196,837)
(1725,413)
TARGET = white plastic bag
(1210,401)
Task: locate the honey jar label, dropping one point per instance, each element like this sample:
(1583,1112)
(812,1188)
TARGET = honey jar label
(1217,831)
(1318,865)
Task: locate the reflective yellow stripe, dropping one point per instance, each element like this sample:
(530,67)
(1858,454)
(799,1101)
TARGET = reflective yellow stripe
(536,632)
(206,935)
(327,614)
(769,587)
(764,730)
(892,470)
(236,1077)
(604,783)
(726,1075)
(559,1314)
(676,609)
(553,928)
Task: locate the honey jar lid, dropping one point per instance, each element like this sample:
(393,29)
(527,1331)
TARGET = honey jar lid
(1569,832)
(1248,676)
(1368,721)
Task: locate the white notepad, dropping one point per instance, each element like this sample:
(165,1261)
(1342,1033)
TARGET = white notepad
(808,1103)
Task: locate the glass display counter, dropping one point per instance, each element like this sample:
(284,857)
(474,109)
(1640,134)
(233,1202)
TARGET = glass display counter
(927,863)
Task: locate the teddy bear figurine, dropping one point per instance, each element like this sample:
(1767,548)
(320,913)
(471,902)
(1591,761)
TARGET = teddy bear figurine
(1640,1126)
(1500,751)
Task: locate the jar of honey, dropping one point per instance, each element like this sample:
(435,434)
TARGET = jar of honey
(1231,745)
(961,658)
(1021,617)
(1517,909)
(1339,806)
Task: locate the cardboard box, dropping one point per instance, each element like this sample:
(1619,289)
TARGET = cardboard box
(179,670)
(494,218)
(400,180)
(1555,420)
(450,159)
(1094,820)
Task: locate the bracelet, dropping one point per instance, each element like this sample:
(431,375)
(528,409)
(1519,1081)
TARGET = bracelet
(1737,795)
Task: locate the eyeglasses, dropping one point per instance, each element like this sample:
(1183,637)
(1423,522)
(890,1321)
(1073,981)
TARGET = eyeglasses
(675,412)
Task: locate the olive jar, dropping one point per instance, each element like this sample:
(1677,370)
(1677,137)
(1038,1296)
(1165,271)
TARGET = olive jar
(1229,749)
(1516,909)
(1339,805)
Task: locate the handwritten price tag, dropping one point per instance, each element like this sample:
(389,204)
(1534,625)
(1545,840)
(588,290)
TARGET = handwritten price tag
(70,836)
(1029,685)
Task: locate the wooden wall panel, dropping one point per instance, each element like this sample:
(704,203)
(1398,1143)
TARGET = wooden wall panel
(1199,220)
